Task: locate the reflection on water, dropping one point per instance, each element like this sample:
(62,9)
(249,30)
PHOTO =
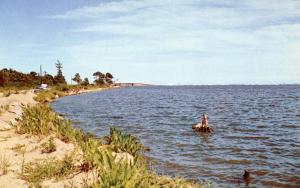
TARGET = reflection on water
(256,128)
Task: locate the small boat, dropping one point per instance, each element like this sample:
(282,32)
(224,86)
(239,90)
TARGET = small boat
(201,129)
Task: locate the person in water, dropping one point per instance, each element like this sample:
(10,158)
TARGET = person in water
(204,120)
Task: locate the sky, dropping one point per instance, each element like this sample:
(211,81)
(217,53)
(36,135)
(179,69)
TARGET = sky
(186,42)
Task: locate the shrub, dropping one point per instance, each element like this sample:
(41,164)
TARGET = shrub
(36,120)
(44,96)
(119,174)
(121,142)
(62,87)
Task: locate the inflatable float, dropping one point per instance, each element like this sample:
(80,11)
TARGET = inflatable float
(201,129)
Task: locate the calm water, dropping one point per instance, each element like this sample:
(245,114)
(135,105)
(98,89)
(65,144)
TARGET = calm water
(256,128)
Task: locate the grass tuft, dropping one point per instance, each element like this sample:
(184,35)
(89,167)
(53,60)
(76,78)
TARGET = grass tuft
(121,142)
(4,108)
(48,147)
(48,95)
(35,173)
(36,120)
(4,164)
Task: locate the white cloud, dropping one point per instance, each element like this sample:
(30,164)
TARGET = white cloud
(243,34)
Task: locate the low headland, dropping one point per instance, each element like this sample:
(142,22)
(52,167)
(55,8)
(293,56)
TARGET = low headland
(41,149)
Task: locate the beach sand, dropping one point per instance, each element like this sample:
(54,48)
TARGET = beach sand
(32,150)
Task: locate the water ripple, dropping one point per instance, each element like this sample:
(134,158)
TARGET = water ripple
(256,128)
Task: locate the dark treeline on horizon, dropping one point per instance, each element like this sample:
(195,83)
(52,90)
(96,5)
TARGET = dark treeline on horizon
(11,77)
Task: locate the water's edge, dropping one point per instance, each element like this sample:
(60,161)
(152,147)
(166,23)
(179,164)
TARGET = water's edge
(251,135)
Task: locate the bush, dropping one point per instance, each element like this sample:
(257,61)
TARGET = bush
(62,87)
(121,142)
(36,120)
(119,174)
(48,95)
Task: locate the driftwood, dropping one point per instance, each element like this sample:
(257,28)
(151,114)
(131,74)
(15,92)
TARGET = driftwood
(202,129)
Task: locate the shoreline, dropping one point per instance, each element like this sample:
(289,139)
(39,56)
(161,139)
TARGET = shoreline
(10,141)
(19,149)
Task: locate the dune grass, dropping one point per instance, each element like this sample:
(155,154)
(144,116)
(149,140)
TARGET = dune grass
(35,173)
(8,90)
(121,142)
(60,90)
(4,164)
(41,121)
(4,108)
(48,95)
(37,120)
(119,174)
(49,146)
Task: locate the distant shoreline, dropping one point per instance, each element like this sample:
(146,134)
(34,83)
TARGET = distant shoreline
(179,85)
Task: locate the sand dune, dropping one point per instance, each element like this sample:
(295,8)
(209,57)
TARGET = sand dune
(9,140)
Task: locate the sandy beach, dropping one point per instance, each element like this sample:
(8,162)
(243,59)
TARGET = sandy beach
(19,149)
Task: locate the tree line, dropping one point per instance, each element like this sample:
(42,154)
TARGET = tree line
(10,77)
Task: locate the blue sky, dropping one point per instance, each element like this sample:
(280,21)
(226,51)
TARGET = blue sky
(154,41)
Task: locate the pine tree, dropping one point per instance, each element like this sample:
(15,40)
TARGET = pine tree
(59,78)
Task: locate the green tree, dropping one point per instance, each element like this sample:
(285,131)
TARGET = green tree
(59,78)
(85,82)
(48,79)
(99,78)
(77,78)
(108,78)
(33,74)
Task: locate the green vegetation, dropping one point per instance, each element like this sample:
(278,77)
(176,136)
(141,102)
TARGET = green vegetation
(77,78)
(4,164)
(12,80)
(37,120)
(60,90)
(121,142)
(8,90)
(48,95)
(98,154)
(35,173)
(119,174)
(59,78)
(85,82)
(48,147)
(103,79)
